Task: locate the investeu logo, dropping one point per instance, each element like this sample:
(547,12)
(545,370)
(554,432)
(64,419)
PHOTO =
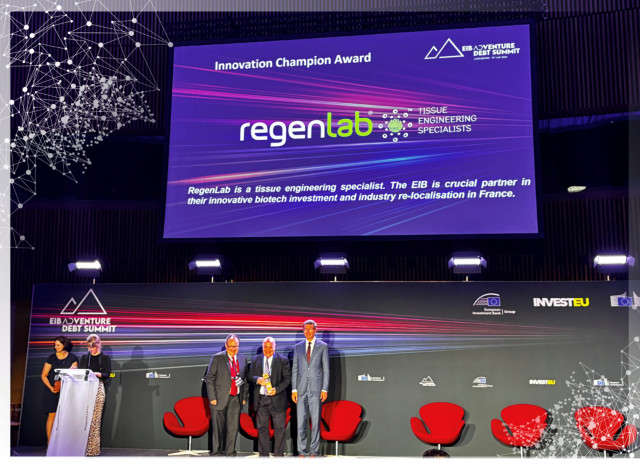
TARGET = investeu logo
(279,132)
(561,302)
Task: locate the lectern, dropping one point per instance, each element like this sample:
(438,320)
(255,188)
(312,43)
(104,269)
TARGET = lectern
(70,431)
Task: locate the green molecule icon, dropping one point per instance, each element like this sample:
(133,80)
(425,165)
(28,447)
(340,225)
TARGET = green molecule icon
(395,125)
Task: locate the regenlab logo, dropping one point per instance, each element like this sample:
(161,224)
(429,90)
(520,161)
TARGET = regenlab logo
(488,299)
(625,301)
(394,124)
(427,382)
(279,133)
(448,50)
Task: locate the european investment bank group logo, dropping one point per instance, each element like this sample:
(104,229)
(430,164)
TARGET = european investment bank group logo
(488,299)
(491,304)
(368,378)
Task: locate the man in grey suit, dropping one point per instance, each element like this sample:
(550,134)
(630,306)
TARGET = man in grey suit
(309,386)
(227,391)
(271,375)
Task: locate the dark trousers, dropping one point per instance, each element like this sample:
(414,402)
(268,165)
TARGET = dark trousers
(265,410)
(225,426)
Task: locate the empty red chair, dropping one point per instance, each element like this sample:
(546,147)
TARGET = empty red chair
(340,421)
(248,423)
(193,419)
(601,429)
(439,423)
(522,425)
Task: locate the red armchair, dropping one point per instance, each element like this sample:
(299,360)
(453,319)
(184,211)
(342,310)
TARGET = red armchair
(599,426)
(439,423)
(248,423)
(341,419)
(193,419)
(522,425)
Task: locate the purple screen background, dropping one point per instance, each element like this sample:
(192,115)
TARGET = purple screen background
(209,108)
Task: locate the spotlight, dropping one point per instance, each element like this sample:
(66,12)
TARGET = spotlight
(211,266)
(205,263)
(615,262)
(86,269)
(467,262)
(86,266)
(331,263)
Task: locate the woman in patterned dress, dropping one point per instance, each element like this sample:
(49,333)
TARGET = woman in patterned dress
(62,358)
(100,364)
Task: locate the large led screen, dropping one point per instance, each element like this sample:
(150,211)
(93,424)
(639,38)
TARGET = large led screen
(415,133)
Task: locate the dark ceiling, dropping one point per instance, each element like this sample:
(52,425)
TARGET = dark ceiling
(573,92)
(588,64)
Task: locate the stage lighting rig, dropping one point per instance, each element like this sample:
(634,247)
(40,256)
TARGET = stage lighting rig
(207,266)
(332,263)
(613,262)
(91,269)
(467,262)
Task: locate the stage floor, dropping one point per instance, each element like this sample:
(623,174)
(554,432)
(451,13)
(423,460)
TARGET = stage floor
(35,451)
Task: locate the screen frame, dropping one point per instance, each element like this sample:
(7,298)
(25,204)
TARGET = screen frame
(357,238)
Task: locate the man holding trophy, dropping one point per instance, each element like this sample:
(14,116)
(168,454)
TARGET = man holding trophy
(271,374)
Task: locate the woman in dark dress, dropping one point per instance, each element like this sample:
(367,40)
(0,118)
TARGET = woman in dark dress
(100,364)
(62,358)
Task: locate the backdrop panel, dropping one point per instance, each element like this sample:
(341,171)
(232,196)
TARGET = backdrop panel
(394,347)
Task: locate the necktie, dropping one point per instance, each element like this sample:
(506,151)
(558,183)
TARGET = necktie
(234,373)
(265,371)
(308,352)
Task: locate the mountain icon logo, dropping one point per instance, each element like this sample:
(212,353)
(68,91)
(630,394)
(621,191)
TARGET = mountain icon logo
(89,305)
(448,50)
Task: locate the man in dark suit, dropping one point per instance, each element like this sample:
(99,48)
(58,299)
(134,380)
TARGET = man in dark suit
(227,391)
(271,375)
(310,386)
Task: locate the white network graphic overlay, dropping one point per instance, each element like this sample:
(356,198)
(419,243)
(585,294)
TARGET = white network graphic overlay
(81,86)
(562,438)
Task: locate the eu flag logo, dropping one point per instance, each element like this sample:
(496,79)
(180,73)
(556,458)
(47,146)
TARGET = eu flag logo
(625,301)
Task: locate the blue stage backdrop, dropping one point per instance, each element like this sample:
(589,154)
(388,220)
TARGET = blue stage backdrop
(394,347)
